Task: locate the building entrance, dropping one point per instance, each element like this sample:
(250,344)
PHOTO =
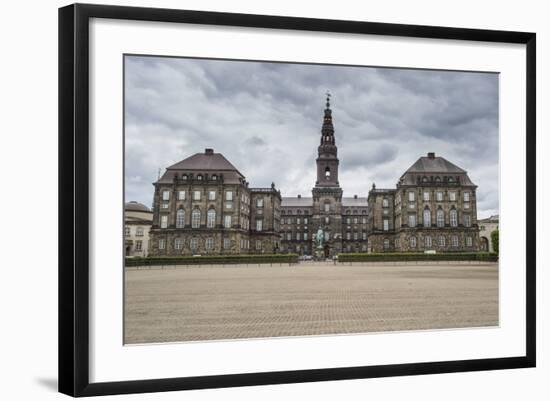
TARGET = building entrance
(327,251)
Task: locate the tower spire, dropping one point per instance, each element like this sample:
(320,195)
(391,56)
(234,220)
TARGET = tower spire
(327,131)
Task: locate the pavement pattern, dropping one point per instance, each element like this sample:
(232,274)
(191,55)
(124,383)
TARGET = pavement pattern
(234,302)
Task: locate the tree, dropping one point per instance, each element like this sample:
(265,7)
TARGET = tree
(494,240)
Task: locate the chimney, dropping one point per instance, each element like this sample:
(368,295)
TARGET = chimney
(431,155)
(208,151)
(354,196)
(299,196)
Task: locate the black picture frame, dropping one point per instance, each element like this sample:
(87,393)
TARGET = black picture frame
(74,198)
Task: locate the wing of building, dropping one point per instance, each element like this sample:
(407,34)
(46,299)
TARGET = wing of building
(204,205)
(486,227)
(433,207)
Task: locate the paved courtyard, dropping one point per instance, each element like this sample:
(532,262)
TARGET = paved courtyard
(210,303)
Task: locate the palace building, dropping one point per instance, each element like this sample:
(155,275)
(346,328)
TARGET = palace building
(204,205)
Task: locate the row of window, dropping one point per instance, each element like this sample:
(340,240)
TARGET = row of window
(128,231)
(210,220)
(290,220)
(440,219)
(298,220)
(298,211)
(194,243)
(200,177)
(438,178)
(326,208)
(208,244)
(356,220)
(439,197)
(197,195)
(298,236)
(428,242)
(196,219)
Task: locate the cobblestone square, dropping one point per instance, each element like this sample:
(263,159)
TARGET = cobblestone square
(235,302)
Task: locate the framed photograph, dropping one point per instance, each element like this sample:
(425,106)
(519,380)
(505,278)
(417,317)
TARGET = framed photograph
(251,199)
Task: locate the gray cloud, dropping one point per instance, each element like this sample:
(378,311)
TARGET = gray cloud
(266,119)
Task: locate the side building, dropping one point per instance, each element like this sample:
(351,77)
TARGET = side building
(486,227)
(432,208)
(137,224)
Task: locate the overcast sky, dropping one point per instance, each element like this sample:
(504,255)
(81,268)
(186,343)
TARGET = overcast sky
(266,118)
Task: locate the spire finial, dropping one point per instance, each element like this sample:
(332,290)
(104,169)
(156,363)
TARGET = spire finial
(328,99)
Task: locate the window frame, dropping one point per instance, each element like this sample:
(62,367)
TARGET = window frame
(180,218)
(211,218)
(196,218)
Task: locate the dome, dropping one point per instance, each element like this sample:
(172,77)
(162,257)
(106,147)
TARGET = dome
(134,206)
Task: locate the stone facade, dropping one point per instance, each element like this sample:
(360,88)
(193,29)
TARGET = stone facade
(204,205)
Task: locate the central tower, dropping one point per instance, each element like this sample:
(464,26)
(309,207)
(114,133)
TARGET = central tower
(327,153)
(327,194)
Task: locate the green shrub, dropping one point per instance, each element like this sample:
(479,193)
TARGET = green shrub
(417,256)
(211,260)
(494,240)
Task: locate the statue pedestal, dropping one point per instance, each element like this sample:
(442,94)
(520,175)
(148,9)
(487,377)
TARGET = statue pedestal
(319,254)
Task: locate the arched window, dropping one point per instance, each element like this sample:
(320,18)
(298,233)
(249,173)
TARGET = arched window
(427,217)
(214,178)
(440,217)
(180,218)
(327,172)
(453,218)
(196,218)
(211,218)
